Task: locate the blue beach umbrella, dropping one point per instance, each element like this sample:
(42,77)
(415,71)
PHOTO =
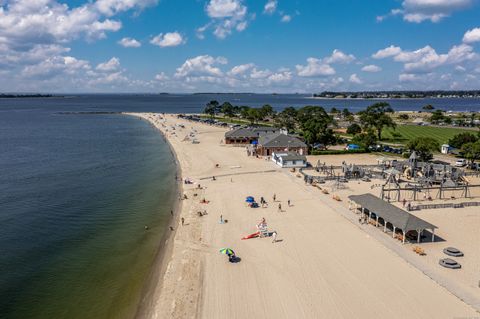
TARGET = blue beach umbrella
(250,199)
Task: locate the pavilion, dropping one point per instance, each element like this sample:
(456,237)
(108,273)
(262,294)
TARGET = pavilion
(390,214)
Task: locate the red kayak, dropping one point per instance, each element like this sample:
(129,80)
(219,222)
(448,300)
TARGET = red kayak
(254,235)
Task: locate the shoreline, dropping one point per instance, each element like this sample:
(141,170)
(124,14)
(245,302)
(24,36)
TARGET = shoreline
(190,285)
(165,248)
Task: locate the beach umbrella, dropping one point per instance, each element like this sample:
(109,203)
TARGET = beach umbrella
(250,199)
(227,251)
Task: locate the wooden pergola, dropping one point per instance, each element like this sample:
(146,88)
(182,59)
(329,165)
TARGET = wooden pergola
(398,218)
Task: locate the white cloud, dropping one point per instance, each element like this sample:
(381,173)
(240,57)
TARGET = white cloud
(241,69)
(200,66)
(225,8)
(226,15)
(170,39)
(286,18)
(260,74)
(162,77)
(111,65)
(339,57)
(371,68)
(26,23)
(55,66)
(427,59)
(129,43)
(387,52)
(111,7)
(472,36)
(281,77)
(355,79)
(314,68)
(418,11)
(406,77)
(270,7)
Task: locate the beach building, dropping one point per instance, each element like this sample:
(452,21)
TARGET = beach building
(248,135)
(380,213)
(289,160)
(280,143)
(446,149)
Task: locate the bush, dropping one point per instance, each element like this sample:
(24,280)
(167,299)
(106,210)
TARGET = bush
(354,129)
(463,138)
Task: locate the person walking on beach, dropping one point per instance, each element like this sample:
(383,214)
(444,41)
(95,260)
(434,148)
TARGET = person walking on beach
(279,208)
(274,236)
(288,203)
(183,221)
(274,197)
(221,219)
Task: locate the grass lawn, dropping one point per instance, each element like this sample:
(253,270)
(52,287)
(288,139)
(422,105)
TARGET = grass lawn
(408,132)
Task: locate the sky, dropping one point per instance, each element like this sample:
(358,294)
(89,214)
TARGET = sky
(262,46)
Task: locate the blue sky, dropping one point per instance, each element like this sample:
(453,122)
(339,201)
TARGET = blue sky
(238,45)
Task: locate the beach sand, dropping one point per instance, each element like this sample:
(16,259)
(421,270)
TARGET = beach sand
(323,266)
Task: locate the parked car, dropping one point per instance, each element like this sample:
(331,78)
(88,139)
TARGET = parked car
(460,163)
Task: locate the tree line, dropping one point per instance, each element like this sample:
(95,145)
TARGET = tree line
(316,126)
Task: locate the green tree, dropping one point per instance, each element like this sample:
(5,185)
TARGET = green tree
(267,111)
(227,109)
(354,129)
(244,111)
(211,108)
(462,138)
(365,140)
(437,117)
(334,110)
(253,115)
(286,119)
(471,151)
(376,117)
(424,147)
(403,116)
(314,123)
(346,113)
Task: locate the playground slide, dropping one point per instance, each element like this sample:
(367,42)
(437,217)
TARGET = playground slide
(254,235)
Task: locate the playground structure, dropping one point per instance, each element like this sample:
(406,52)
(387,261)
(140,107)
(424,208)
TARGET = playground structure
(408,180)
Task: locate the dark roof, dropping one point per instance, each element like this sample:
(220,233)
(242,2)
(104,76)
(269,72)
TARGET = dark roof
(241,132)
(390,213)
(251,131)
(265,128)
(280,140)
(294,157)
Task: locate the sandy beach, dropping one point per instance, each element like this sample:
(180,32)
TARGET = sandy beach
(323,264)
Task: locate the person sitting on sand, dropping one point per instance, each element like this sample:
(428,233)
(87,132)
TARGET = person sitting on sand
(231,257)
(262,224)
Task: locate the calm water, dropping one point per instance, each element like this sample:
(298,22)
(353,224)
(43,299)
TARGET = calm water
(75,194)
(195,103)
(77,190)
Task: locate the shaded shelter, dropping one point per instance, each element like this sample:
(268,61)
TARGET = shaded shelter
(398,218)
